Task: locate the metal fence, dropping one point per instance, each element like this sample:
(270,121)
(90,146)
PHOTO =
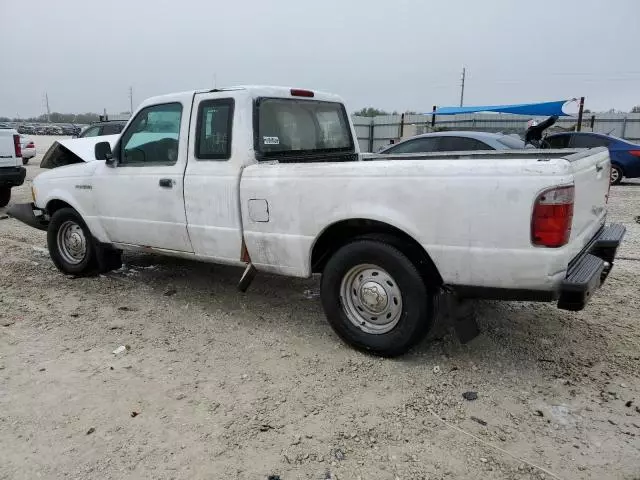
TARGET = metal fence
(376,132)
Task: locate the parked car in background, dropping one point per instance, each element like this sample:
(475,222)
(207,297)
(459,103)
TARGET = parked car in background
(5,126)
(12,172)
(40,130)
(110,127)
(625,156)
(455,142)
(28,149)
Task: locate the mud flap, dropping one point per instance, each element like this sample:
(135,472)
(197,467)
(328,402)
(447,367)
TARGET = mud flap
(464,319)
(247,277)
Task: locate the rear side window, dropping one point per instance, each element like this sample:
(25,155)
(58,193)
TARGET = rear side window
(213,130)
(461,144)
(558,141)
(418,145)
(588,141)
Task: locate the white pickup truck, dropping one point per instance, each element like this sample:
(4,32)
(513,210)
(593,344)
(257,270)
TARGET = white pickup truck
(12,172)
(270,178)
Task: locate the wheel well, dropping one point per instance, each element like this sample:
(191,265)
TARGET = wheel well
(54,205)
(341,233)
(619,166)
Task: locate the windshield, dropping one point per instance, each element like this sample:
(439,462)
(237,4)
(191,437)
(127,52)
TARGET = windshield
(301,127)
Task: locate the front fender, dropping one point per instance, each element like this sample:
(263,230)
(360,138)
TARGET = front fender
(89,217)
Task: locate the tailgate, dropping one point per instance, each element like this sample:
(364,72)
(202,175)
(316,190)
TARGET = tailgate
(591,170)
(7,149)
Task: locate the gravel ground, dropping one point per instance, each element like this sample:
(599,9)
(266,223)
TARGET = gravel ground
(218,384)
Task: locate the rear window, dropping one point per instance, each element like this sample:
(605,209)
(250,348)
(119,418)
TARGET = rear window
(511,142)
(301,127)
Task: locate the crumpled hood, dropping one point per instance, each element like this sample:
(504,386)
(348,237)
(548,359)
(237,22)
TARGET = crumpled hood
(74,150)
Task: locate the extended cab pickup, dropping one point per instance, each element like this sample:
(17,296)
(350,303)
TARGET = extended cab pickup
(12,172)
(271,178)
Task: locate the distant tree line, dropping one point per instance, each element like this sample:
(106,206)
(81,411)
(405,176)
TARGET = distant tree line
(55,117)
(374,112)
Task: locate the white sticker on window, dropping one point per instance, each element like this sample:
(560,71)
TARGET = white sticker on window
(270,140)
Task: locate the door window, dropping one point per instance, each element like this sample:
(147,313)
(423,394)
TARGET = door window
(111,128)
(461,144)
(419,145)
(588,141)
(213,134)
(91,132)
(152,138)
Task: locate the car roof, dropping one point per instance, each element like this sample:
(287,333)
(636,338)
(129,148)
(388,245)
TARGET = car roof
(462,133)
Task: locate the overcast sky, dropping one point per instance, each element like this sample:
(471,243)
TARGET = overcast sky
(390,54)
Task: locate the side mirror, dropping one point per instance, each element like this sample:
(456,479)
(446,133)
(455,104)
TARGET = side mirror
(103,152)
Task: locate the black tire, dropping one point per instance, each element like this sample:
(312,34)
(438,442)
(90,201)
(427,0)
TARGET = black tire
(88,264)
(25,161)
(5,196)
(417,312)
(618,175)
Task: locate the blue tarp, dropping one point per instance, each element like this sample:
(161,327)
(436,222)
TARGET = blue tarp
(534,109)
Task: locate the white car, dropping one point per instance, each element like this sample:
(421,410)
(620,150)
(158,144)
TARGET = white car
(270,178)
(28,149)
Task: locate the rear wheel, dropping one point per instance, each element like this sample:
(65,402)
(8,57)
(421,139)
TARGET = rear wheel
(375,298)
(616,175)
(5,196)
(25,161)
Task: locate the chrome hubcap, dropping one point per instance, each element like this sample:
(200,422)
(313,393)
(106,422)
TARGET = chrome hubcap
(371,299)
(72,242)
(614,175)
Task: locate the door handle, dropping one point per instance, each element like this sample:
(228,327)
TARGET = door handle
(599,168)
(166,183)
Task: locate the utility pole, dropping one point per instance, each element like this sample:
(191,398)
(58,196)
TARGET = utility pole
(131,100)
(464,74)
(46,99)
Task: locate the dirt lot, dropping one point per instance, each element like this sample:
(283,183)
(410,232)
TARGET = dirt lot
(226,385)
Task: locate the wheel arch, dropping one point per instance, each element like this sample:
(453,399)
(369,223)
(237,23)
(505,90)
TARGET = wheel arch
(339,233)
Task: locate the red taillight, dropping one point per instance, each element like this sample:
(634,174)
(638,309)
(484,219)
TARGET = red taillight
(635,153)
(31,145)
(552,215)
(298,92)
(16,145)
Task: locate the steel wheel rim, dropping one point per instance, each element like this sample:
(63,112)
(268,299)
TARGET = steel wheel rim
(615,175)
(371,299)
(72,243)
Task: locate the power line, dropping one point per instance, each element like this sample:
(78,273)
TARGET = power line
(464,71)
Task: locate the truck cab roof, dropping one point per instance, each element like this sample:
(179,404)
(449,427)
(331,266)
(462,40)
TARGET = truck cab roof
(254,91)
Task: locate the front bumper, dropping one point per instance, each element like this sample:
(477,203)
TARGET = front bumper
(30,214)
(588,271)
(12,176)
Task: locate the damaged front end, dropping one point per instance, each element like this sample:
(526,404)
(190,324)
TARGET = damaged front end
(29,214)
(74,150)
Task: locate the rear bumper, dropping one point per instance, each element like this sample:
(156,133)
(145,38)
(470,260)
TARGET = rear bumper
(585,274)
(12,176)
(28,213)
(589,270)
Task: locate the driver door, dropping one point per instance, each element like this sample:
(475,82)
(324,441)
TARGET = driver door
(140,200)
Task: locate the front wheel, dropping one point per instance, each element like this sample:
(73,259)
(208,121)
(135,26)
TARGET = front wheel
(70,243)
(616,175)
(5,196)
(375,298)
